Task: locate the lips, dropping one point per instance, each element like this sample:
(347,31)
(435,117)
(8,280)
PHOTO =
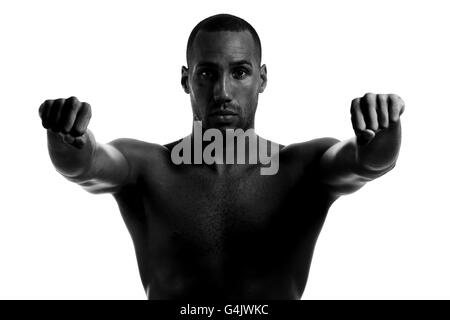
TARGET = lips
(223,113)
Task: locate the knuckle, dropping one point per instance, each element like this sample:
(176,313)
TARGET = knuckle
(88,109)
(354,104)
(73,102)
(381,97)
(59,103)
(364,101)
(394,98)
(41,110)
(393,95)
(72,107)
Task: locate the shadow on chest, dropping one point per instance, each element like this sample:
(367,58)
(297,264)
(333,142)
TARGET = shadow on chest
(212,208)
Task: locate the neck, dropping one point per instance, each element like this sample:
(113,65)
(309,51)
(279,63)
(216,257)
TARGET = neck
(226,149)
(224,146)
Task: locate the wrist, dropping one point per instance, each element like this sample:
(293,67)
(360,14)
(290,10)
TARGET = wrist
(72,156)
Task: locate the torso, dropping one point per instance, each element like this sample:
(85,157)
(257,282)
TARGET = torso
(231,235)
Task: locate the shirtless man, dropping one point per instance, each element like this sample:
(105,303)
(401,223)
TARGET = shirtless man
(224,231)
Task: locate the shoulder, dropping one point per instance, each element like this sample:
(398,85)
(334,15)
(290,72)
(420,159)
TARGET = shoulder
(169,146)
(303,161)
(139,154)
(309,151)
(136,148)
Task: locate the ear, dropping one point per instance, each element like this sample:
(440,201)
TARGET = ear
(263,75)
(185,79)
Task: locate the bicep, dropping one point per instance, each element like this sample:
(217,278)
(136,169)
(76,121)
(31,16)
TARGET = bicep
(337,168)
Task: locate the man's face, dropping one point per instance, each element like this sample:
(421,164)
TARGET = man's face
(224,79)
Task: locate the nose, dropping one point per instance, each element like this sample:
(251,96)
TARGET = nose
(222,90)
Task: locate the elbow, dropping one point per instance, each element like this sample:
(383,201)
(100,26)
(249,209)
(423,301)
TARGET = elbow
(94,186)
(348,185)
(370,173)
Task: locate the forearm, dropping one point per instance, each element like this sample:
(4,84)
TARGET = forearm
(347,166)
(95,166)
(74,152)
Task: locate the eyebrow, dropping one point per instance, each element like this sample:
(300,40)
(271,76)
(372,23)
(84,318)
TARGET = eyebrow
(234,63)
(241,62)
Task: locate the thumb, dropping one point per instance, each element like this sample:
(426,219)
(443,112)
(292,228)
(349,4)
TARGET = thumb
(77,142)
(364,137)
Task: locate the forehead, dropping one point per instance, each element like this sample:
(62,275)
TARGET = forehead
(219,46)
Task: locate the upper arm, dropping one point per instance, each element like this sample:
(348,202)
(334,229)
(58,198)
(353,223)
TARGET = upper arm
(323,163)
(338,170)
(307,157)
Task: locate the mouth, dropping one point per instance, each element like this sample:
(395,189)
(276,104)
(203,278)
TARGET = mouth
(223,116)
(219,113)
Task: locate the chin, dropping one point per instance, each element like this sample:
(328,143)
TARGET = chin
(224,128)
(223,125)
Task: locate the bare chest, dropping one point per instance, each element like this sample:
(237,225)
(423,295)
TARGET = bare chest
(210,211)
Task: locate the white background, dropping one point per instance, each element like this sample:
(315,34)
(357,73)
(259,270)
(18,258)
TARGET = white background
(387,241)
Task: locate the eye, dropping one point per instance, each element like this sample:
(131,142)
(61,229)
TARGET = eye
(240,73)
(206,74)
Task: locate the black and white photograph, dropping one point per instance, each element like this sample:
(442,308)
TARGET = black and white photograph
(224,151)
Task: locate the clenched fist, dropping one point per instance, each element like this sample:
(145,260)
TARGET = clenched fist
(373,113)
(68,117)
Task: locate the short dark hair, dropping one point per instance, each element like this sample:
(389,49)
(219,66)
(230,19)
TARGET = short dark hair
(222,22)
